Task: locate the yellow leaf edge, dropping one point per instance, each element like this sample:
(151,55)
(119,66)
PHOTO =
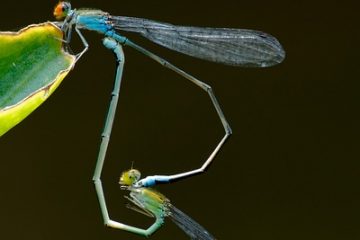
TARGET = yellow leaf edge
(10,116)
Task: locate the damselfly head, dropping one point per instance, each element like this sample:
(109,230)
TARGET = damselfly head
(61,10)
(129,177)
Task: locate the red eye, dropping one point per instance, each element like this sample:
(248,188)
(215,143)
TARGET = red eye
(61,10)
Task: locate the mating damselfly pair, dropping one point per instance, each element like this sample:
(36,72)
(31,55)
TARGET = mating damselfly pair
(236,47)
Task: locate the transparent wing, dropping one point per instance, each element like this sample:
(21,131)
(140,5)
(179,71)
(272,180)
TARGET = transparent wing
(237,47)
(188,225)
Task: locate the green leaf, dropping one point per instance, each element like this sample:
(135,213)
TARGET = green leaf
(32,65)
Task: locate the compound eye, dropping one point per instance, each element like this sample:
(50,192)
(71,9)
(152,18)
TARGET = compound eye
(130,177)
(134,175)
(66,7)
(61,10)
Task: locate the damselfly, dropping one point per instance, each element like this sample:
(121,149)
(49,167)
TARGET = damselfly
(236,47)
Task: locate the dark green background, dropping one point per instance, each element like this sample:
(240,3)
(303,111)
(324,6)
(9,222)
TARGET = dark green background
(290,170)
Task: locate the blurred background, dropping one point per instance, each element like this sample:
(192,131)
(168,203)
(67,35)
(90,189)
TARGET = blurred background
(289,171)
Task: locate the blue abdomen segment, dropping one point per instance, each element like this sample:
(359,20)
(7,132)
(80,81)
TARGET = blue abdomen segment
(153,180)
(116,36)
